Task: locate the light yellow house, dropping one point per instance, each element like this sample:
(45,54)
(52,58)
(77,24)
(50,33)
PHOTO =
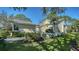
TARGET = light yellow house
(44,25)
(24,25)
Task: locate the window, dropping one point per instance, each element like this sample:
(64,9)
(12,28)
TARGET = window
(16,27)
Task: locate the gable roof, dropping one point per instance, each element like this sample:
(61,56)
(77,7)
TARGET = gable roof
(20,21)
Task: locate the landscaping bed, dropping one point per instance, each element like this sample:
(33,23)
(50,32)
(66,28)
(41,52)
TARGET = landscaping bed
(58,43)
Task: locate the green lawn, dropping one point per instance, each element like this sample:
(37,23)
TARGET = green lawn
(20,47)
(61,43)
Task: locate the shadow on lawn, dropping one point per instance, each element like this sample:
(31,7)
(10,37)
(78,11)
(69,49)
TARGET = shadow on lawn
(16,47)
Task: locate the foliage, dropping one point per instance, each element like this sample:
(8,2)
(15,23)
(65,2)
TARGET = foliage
(31,36)
(55,10)
(22,17)
(18,34)
(60,43)
(19,8)
(4,33)
(45,10)
(17,47)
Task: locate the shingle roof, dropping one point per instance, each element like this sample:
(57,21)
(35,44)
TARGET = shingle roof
(17,20)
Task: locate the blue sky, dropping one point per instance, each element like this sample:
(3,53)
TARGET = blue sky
(35,13)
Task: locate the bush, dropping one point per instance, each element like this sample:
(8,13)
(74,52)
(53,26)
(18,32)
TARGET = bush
(61,43)
(31,36)
(4,34)
(18,34)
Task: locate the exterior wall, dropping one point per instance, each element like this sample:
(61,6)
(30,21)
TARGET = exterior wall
(1,25)
(46,25)
(65,29)
(47,21)
(37,29)
(26,30)
(61,26)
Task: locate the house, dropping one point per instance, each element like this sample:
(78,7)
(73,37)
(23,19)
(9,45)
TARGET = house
(17,24)
(45,25)
(23,25)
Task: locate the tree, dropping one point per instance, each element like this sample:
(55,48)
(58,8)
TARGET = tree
(67,22)
(55,10)
(19,8)
(4,20)
(22,17)
(54,18)
(75,25)
(45,10)
(67,19)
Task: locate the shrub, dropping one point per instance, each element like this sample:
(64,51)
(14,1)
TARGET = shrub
(61,43)
(4,33)
(18,34)
(31,36)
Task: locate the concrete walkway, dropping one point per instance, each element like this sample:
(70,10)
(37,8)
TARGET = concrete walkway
(14,39)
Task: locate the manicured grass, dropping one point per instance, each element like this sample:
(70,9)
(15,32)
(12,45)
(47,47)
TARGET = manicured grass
(20,47)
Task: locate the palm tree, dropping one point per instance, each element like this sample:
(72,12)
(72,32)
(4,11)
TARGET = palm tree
(54,9)
(54,18)
(19,8)
(45,10)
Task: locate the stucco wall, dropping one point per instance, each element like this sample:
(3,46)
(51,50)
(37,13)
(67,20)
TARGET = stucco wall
(61,26)
(45,25)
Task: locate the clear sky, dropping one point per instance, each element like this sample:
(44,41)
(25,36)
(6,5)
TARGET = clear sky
(35,13)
